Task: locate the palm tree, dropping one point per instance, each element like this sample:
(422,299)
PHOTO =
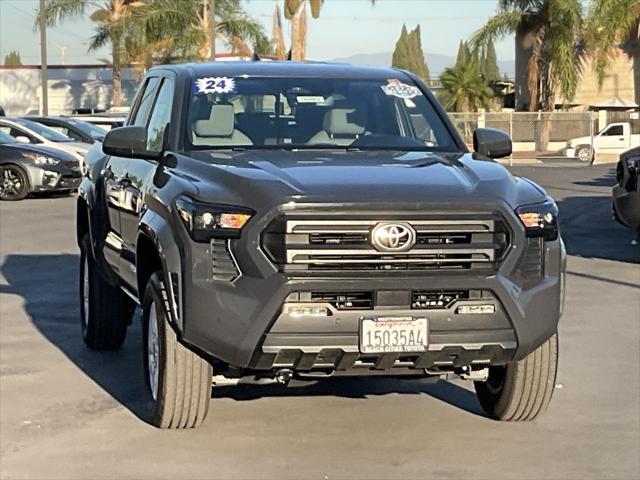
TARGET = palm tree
(465,90)
(187,22)
(113,18)
(550,30)
(296,11)
(612,24)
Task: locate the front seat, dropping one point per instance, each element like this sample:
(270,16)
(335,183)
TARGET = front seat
(219,128)
(341,126)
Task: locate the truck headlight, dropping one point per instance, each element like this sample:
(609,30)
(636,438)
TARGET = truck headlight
(40,159)
(206,221)
(540,219)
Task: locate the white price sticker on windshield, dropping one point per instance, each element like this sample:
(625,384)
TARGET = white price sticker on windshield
(317,99)
(398,89)
(215,85)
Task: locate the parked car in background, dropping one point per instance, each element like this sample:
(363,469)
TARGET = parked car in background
(26,168)
(626,193)
(28,131)
(77,130)
(614,138)
(103,120)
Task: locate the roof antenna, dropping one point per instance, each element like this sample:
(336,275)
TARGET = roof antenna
(255,57)
(289,55)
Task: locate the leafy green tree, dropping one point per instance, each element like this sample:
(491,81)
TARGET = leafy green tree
(550,29)
(463,53)
(12,59)
(112,18)
(464,88)
(490,64)
(401,54)
(185,25)
(611,24)
(417,54)
(408,54)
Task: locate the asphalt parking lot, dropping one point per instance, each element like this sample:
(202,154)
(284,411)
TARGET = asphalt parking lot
(67,412)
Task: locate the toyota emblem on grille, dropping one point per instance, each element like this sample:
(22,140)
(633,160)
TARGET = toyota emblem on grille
(393,237)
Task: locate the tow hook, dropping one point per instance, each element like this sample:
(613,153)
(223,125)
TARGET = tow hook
(474,375)
(283,376)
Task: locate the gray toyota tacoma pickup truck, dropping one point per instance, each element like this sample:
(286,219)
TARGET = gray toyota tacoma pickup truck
(279,220)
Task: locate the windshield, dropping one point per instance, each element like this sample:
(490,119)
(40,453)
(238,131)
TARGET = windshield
(6,138)
(313,113)
(43,131)
(94,131)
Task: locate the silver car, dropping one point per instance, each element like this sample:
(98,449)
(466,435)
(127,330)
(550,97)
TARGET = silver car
(26,168)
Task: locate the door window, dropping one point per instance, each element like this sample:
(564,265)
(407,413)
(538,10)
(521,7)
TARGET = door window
(614,131)
(147,97)
(160,117)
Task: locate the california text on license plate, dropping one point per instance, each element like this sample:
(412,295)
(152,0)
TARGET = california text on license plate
(393,334)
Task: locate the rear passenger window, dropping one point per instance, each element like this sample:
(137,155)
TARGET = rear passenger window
(146,102)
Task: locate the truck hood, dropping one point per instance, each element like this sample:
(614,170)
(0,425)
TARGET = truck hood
(258,178)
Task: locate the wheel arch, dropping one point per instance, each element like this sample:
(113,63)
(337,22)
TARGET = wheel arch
(82,220)
(156,249)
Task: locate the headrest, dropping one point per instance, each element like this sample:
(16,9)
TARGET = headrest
(345,121)
(220,123)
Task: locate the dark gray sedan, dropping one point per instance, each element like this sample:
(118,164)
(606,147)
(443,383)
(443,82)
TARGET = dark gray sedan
(28,168)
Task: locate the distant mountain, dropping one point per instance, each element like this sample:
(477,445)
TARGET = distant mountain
(436,62)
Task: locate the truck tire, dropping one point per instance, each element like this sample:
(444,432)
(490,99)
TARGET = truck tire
(179,380)
(105,310)
(584,153)
(521,390)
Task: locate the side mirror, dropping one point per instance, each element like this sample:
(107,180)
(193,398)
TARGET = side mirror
(491,143)
(128,142)
(23,139)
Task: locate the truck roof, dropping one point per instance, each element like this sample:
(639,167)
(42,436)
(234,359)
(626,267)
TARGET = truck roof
(283,69)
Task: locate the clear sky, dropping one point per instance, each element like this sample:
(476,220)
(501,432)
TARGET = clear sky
(345,27)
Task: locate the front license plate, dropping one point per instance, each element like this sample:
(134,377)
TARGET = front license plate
(393,334)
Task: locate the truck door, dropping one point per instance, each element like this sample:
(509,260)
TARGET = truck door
(140,173)
(117,184)
(612,139)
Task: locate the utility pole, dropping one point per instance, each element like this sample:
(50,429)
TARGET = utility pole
(212,29)
(43,60)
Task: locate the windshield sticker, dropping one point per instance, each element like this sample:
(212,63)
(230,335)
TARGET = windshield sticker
(215,85)
(398,89)
(310,99)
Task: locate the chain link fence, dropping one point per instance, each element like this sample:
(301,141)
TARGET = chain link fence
(537,134)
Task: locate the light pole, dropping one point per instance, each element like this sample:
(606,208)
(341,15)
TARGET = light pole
(212,29)
(43,59)
(63,49)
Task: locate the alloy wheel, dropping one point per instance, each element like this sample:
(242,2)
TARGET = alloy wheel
(153,351)
(11,183)
(85,293)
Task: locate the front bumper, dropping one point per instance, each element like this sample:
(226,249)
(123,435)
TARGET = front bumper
(239,319)
(55,179)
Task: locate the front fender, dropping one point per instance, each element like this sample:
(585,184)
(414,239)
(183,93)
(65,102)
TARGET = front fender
(158,230)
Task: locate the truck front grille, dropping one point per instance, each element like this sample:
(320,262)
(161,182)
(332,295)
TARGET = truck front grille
(453,242)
